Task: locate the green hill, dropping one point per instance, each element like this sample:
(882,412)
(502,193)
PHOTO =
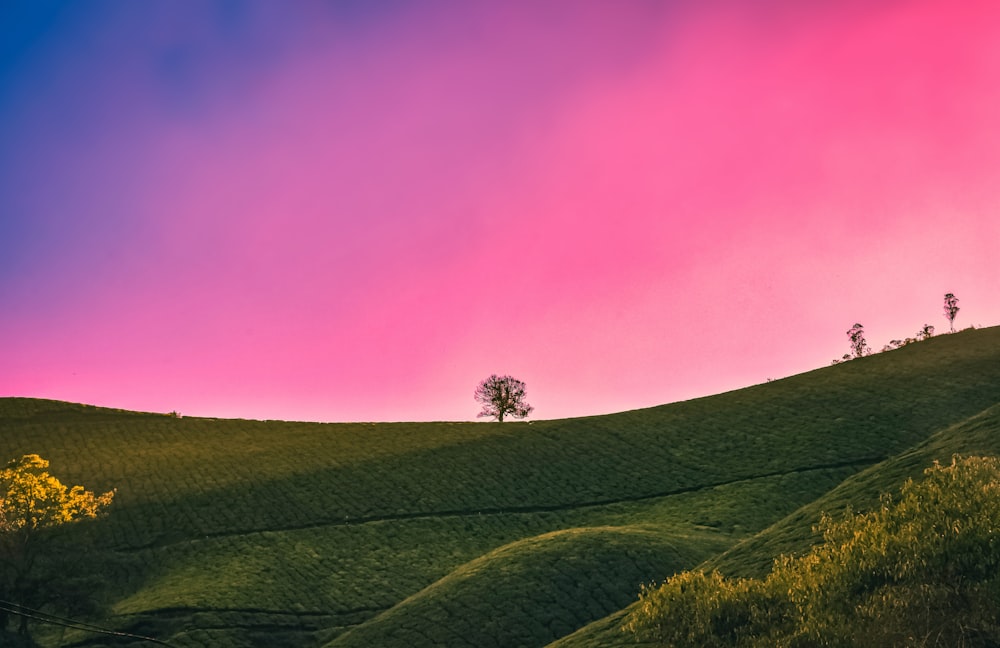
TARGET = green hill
(549,584)
(269,533)
(977,435)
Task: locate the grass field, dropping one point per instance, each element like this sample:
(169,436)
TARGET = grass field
(236,533)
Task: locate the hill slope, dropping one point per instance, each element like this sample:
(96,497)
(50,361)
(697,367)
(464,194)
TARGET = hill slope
(977,435)
(250,533)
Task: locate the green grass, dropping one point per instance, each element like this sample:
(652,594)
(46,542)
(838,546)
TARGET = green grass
(269,533)
(549,584)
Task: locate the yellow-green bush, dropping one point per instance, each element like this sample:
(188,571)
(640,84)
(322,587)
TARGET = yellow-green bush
(699,609)
(923,569)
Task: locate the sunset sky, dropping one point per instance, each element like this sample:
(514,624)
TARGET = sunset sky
(344,211)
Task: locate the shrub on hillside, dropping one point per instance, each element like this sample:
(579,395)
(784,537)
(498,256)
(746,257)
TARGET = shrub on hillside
(921,570)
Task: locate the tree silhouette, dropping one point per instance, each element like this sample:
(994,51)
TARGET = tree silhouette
(858,344)
(502,395)
(951,309)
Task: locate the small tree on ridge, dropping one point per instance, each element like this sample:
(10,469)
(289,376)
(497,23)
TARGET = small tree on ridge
(858,343)
(502,395)
(951,309)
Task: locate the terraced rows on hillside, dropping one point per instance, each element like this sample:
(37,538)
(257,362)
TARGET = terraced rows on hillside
(251,533)
(793,534)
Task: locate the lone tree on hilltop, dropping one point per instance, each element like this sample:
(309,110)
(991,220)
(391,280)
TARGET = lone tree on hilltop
(858,344)
(502,395)
(951,309)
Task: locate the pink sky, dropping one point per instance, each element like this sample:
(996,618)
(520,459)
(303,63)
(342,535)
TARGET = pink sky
(330,212)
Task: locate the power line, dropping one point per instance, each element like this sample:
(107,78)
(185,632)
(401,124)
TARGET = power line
(45,617)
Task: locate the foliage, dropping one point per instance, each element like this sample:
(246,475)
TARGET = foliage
(31,499)
(951,309)
(502,395)
(922,569)
(699,609)
(32,504)
(924,333)
(859,346)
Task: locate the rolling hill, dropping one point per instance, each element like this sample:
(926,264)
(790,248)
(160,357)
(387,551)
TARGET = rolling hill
(268,533)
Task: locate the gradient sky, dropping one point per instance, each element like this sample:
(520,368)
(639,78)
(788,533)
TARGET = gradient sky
(347,211)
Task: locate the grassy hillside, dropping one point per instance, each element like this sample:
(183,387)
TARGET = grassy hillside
(977,435)
(794,534)
(549,585)
(267,533)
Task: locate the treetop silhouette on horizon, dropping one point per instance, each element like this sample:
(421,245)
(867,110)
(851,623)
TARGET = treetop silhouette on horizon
(860,348)
(502,395)
(951,309)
